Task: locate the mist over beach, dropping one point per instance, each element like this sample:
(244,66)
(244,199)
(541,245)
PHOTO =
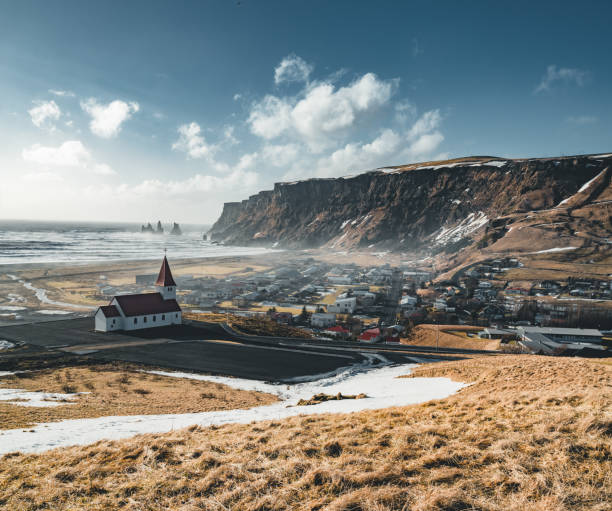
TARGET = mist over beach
(23,242)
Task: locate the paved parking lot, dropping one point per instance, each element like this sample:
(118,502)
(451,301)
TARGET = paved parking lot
(203,348)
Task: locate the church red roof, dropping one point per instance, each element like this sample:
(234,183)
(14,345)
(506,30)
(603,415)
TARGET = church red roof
(110,311)
(146,303)
(164,278)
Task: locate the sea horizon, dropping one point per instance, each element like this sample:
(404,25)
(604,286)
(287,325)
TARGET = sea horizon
(51,242)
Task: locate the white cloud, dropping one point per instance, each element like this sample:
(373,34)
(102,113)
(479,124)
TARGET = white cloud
(102,169)
(582,119)
(321,113)
(42,177)
(424,146)
(192,142)
(280,155)
(385,144)
(421,141)
(270,117)
(62,93)
(563,74)
(428,122)
(237,97)
(405,111)
(292,69)
(44,113)
(228,135)
(106,120)
(194,185)
(70,154)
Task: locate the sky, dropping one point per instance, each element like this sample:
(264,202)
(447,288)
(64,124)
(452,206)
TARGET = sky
(144,110)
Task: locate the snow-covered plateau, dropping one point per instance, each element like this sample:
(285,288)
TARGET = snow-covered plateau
(381,385)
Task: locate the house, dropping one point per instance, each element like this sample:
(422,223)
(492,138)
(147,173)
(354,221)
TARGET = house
(145,310)
(371,335)
(408,302)
(284,318)
(496,333)
(343,305)
(322,319)
(338,331)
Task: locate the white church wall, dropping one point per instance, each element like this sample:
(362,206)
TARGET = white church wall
(152,320)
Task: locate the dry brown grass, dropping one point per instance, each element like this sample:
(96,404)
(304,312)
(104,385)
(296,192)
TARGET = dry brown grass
(118,390)
(250,326)
(425,335)
(531,433)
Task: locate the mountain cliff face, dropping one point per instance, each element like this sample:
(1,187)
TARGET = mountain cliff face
(432,207)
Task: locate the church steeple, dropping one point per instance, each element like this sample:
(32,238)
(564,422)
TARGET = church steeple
(165,281)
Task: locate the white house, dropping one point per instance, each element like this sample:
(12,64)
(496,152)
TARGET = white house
(343,305)
(145,310)
(322,319)
(408,302)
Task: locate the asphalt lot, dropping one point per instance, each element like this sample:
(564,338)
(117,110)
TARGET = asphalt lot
(202,348)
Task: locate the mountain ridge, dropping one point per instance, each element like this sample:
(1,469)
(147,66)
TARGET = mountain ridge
(432,207)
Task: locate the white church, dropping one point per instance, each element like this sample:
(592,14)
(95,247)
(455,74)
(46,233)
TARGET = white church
(145,310)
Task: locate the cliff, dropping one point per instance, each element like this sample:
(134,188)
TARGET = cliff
(435,206)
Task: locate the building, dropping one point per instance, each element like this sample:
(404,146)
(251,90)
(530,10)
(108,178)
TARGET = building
(498,333)
(338,331)
(145,310)
(371,335)
(553,340)
(343,305)
(322,319)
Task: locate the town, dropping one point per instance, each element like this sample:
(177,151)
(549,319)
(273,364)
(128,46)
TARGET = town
(385,304)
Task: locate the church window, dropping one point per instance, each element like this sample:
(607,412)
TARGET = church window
(163,317)
(154,319)
(135,320)
(145,319)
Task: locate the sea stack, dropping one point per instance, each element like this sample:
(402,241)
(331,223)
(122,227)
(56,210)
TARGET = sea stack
(176,229)
(160,229)
(146,228)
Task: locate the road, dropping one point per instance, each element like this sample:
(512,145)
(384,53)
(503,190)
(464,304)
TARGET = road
(199,347)
(217,349)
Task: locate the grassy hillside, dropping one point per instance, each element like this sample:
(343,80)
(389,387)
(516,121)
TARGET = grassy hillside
(450,336)
(102,390)
(531,433)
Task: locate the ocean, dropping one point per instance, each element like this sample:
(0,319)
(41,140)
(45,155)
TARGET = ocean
(75,242)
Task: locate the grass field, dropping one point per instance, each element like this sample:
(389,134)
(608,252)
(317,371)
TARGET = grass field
(252,326)
(531,433)
(118,389)
(450,336)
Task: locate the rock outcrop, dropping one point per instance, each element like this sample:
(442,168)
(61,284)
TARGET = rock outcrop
(436,206)
(176,229)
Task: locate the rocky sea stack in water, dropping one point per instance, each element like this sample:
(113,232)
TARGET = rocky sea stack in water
(436,206)
(176,229)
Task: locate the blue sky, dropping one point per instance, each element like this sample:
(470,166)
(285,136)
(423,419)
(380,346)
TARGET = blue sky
(135,111)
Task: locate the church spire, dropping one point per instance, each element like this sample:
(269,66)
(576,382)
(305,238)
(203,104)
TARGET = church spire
(164,279)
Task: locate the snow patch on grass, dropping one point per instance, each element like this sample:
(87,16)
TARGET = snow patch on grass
(5,345)
(467,226)
(588,183)
(382,386)
(556,249)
